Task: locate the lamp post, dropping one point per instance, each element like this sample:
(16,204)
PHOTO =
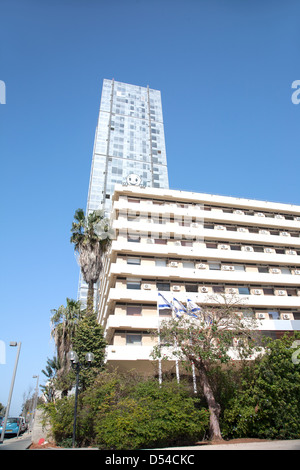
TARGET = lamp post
(72,355)
(34,405)
(13,344)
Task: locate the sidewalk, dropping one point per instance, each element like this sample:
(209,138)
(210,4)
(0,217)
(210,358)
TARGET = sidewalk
(266,445)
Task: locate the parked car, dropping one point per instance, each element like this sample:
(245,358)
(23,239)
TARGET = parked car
(12,426)
(23,426)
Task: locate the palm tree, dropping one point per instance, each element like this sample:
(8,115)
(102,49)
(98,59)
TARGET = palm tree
(52,367)
(91,238)
(64,323)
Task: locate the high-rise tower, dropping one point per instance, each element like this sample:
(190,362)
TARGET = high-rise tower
(129,145)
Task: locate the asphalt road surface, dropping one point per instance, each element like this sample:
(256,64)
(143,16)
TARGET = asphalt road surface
(16,443)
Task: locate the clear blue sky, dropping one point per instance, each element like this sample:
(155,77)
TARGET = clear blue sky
(225,70)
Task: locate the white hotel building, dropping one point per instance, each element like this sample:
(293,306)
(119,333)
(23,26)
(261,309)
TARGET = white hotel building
(187,244)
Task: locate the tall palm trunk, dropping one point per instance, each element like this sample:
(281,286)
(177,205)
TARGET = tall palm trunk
(90,299)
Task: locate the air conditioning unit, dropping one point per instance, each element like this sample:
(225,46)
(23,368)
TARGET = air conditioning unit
(297,218)
(201,266)
(269,250)
(227,268)
(204,289)
(149,240)
(194,225)
(260,214)
(285,234)
(261,316)
(220,227)
(238,212)
(264,232)
(177,244)
(278,216)
(242,229)
(257,291)
(147,286)
(247,248)
(176,288)
(173,264)
(224,247)
(232,290)
(275,271)
(286,316)
(281,292)
(290,252)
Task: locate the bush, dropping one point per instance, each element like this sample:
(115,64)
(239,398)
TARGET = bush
(269,405)
(152,416)
(128,412)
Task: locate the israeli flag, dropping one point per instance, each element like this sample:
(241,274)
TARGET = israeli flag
(178,308)
(162,303)
(192,308)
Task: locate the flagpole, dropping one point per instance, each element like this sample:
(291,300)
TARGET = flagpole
(159,360)
(194,378)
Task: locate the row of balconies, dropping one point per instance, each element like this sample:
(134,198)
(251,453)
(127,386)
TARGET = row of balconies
(180,249)
(208,297)
(151,233)
(266,322)
(202,212)
(175,225)
(149,285)
(207,270)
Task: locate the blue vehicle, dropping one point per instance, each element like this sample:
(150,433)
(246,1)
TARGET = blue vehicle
(12,427)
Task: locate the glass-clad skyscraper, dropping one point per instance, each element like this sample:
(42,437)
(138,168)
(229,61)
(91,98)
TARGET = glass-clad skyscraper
(129,145)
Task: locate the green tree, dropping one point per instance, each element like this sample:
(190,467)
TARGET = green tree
(52,367)
(89,338)
(218,334)
(64,322)
(91,237)
(268,404)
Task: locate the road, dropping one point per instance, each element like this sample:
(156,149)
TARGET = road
(16,443)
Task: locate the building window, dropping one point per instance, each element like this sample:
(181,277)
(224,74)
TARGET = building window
(218,289)
(214,266)
(133,310)
(263,269)
(133,238)
(274,315)
(134,261)
(239,267)
(160,241)
(133,340)
(244,290)
(188,264)
(186,243)
(163,286)
(291,292)
(165,312)
(211,245)
(268,291)
(133,284)
(161,263)
(191,288)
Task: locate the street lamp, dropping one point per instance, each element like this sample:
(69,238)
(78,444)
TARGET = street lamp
(72,356)
(34,405)
(13,344)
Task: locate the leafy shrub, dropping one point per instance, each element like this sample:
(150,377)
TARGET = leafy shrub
(269,405)
(152,416)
